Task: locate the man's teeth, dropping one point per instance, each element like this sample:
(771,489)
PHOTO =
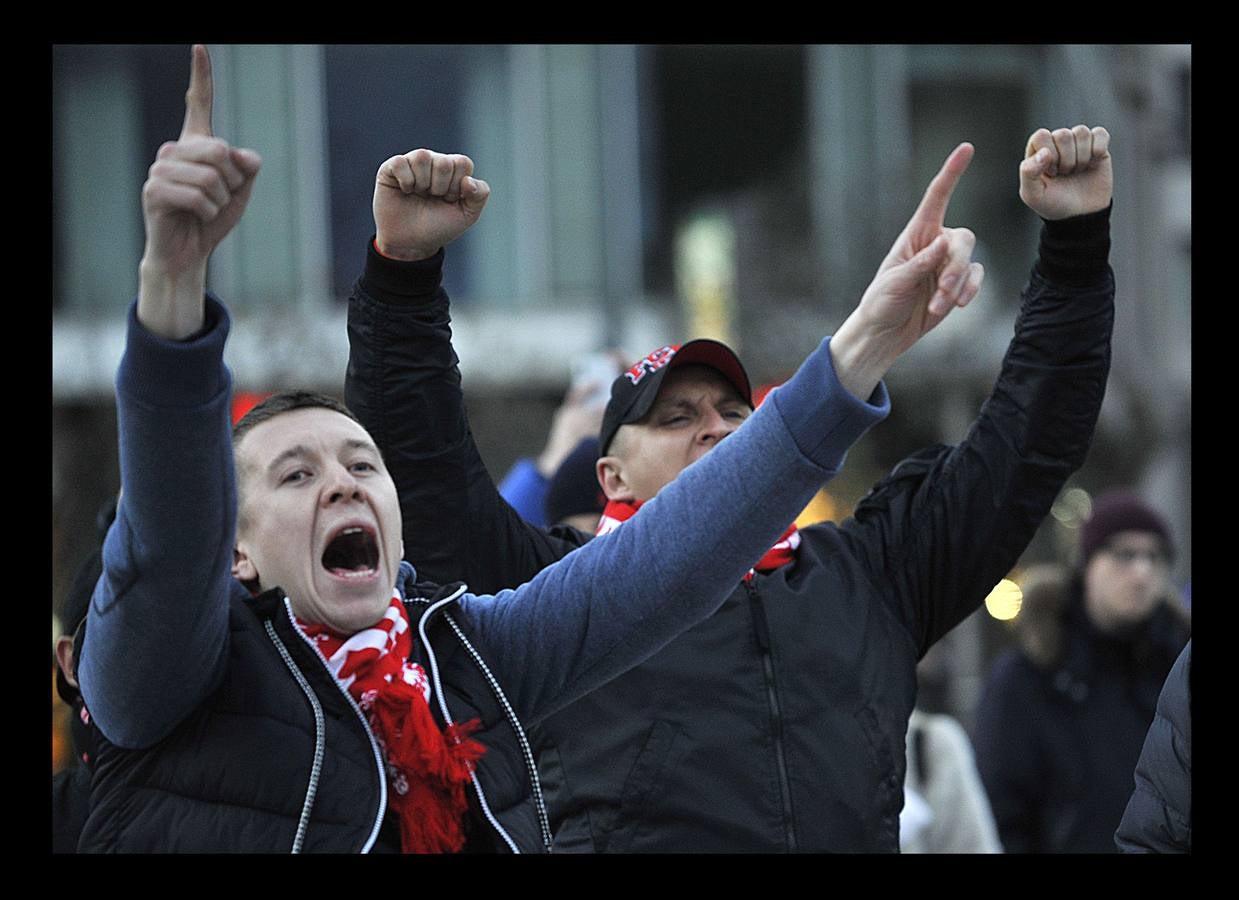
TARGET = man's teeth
(353,573)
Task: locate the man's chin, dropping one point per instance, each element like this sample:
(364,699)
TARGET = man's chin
(355,603)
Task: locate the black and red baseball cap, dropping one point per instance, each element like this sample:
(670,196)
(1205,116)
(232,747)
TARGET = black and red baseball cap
(634,392)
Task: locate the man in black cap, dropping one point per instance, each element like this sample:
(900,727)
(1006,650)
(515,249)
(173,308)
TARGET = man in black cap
(699,390)
(1063,716)
(779,723)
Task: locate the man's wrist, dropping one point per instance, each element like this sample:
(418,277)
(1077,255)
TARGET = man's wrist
(402,253)
(400,282)
(861,358)
(171,303)
(1076,250)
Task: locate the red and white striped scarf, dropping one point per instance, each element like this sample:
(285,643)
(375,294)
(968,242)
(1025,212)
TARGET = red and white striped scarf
(783,552)
(427,768)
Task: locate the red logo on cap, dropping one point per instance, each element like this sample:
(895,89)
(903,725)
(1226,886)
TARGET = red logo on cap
(651,363)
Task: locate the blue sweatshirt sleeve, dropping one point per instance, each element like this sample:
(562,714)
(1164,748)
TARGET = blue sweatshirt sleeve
(622,597)
(157,629)
(525,489)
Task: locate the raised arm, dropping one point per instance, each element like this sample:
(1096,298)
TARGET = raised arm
(950,522)
(157,634)
(623,596)
(197,189)
(403,382)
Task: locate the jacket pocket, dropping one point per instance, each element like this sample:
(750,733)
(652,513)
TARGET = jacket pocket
(661,747)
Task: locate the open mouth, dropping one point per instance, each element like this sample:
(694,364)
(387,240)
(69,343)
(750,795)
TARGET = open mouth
(353,553)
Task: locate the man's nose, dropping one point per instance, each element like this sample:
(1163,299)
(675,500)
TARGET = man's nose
(341,485)
(715,426)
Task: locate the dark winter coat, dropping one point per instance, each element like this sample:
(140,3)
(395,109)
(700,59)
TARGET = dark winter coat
(1057,744)
(211,784)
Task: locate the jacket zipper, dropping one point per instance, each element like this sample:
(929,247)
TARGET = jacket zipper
(531,766)
(762,632)
(447,718)
(316,769)
(374,746)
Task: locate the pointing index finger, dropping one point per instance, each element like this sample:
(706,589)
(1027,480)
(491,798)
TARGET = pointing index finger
(938,195)
(200,96)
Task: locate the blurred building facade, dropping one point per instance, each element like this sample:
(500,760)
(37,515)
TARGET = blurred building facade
(641,195)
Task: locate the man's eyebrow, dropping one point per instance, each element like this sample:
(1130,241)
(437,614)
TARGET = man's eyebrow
(662,405)
(673,402)
(300,450)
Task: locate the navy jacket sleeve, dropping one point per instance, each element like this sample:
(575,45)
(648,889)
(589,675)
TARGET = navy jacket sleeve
(1158,818)
(403,383)
(157,639)
(950,521)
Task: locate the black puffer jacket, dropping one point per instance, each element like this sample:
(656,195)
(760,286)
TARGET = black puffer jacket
(1158,818)
(211,786)
(779,723)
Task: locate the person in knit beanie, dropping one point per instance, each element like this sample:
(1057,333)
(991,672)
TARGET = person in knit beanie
(1125,553)
(1121,509)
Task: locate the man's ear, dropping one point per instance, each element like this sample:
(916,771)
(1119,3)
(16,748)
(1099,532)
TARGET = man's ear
(243,568)
(64,657)
(610,471)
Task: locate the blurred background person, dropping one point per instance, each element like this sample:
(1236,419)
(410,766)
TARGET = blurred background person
(945,806)
(573,496)
(579,417)
(1064,714)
